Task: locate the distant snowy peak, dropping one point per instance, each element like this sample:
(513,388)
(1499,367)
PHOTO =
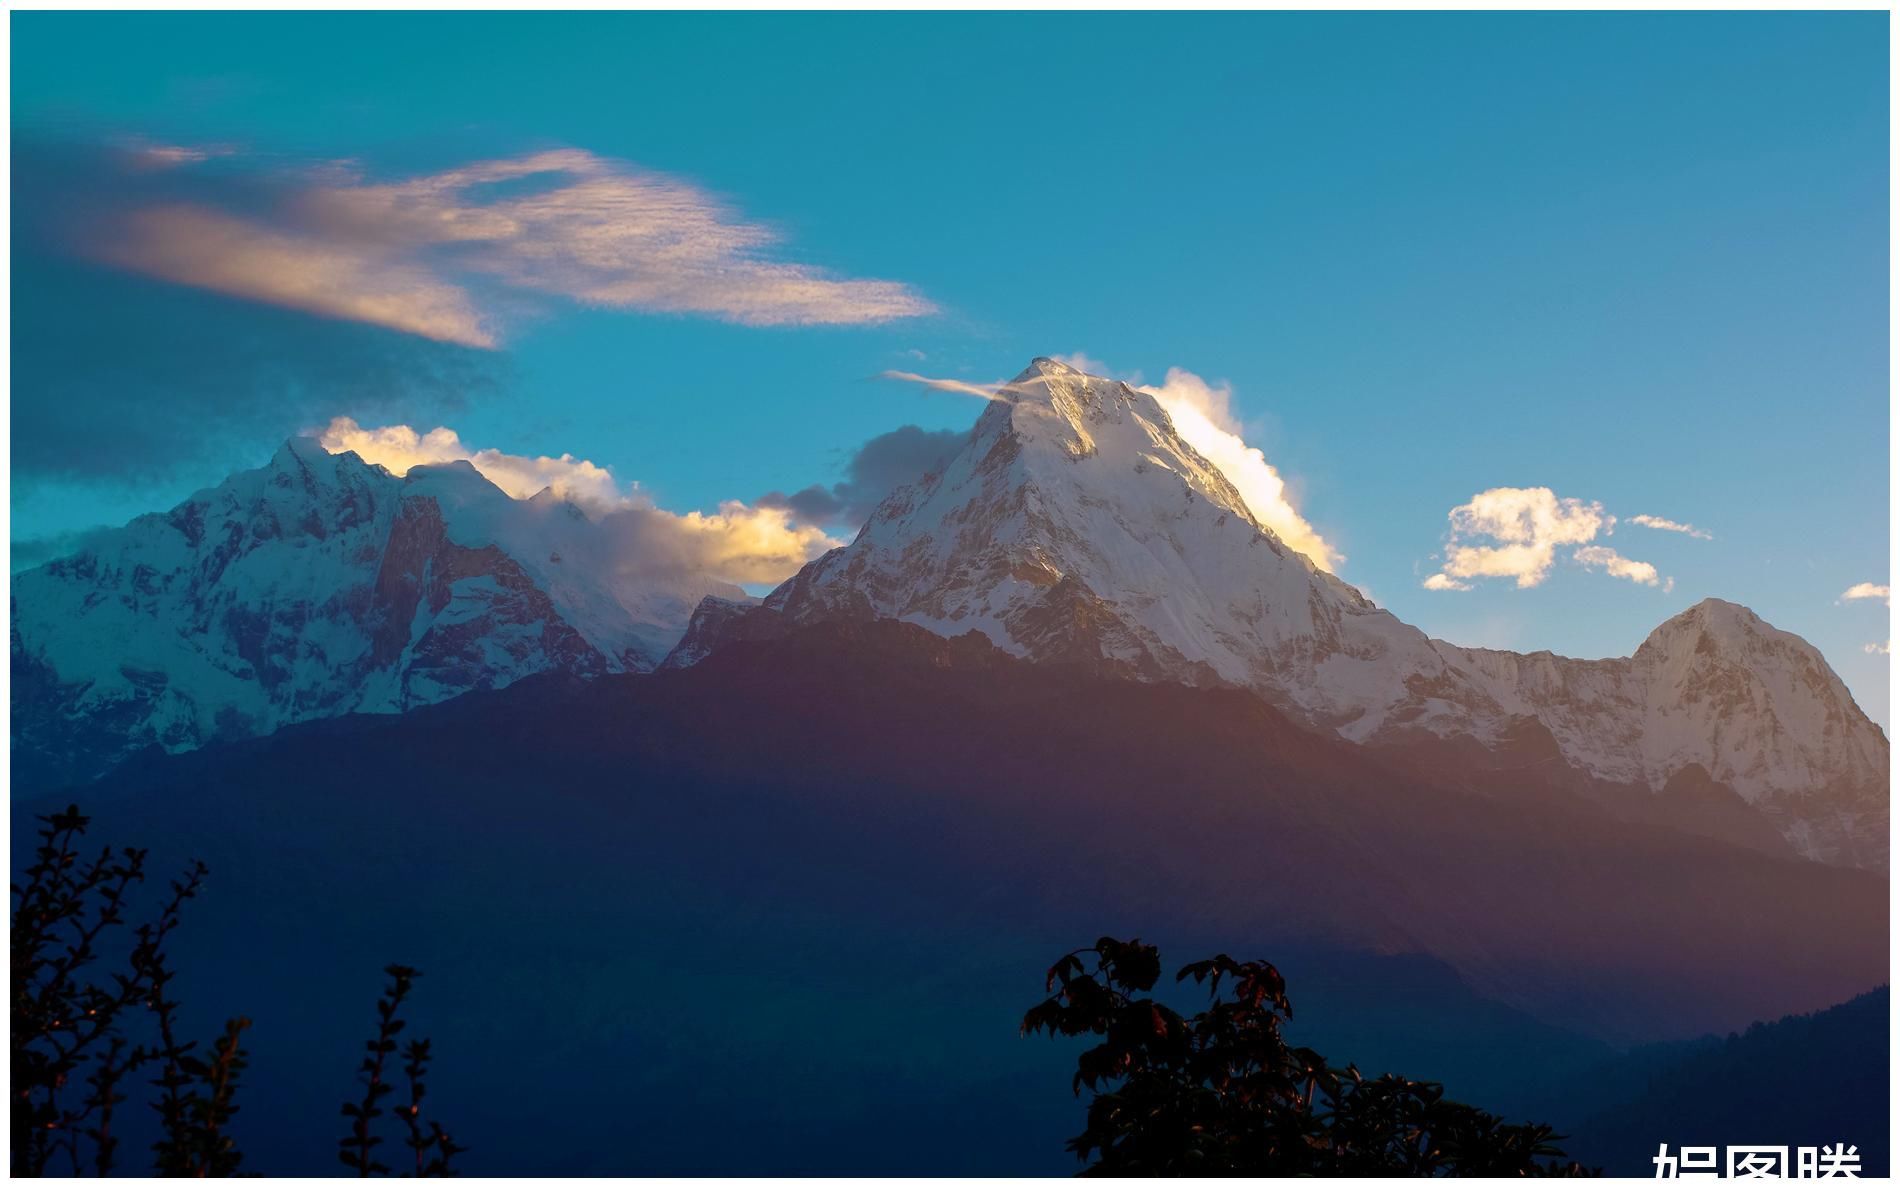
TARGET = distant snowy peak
(1715,688)
(1077,526)
(313,586)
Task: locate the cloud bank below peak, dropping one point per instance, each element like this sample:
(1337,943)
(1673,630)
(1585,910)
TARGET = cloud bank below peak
(875,469)
(740,543)
(399,447)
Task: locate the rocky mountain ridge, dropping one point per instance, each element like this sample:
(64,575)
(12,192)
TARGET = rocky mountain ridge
(1076,526)
(314,586)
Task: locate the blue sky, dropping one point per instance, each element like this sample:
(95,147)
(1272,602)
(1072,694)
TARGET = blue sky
(1638,259)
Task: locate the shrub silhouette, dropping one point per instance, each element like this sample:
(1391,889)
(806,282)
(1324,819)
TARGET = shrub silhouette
(433,1150)
(1222,1093)
(71,1051)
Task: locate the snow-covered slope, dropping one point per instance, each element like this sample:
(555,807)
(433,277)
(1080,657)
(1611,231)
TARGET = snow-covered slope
(315,586)
(1077,526)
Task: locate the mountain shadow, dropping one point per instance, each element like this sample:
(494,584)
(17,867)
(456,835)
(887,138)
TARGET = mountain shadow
(778,912)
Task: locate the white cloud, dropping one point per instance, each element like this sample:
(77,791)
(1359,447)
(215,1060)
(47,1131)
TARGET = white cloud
(1862,591)
(1527,525)
(1616,565)
(399,447)
(738,543)
(1663,525)
(1202,415)
(443,254)
(1516,532)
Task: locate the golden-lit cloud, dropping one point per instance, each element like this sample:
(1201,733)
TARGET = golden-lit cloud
(1525,526)
(206,249)
(443,254)
(737,543)
(1883,648)
(399,447)
(1203,415)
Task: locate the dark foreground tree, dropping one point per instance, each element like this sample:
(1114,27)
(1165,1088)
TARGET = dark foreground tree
(1223,1093)
(91,1015)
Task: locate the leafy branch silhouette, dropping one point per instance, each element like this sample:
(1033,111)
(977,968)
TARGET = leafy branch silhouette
(72,1027)
(1221,1092)
(433,1150)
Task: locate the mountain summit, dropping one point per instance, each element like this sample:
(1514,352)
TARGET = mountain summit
(1077,526)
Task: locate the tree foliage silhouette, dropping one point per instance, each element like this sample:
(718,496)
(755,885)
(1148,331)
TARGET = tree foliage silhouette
(1221,1092)
(72,1051)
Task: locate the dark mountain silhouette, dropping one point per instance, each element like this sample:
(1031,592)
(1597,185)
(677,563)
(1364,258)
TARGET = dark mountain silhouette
(1821,1079)
(778,912)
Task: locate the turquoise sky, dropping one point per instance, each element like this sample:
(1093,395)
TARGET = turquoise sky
(1639,259)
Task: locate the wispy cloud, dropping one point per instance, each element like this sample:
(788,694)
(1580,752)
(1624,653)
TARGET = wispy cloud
(738,543)
(1088,364)
(120,380)
(207,249)
(153,155)
(1883,648)
(1663,525)
(444,255)
(1517,532)
(993,391)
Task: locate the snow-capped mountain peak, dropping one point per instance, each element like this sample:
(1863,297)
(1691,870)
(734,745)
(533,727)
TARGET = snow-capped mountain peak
(1076,525)
(315,585)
